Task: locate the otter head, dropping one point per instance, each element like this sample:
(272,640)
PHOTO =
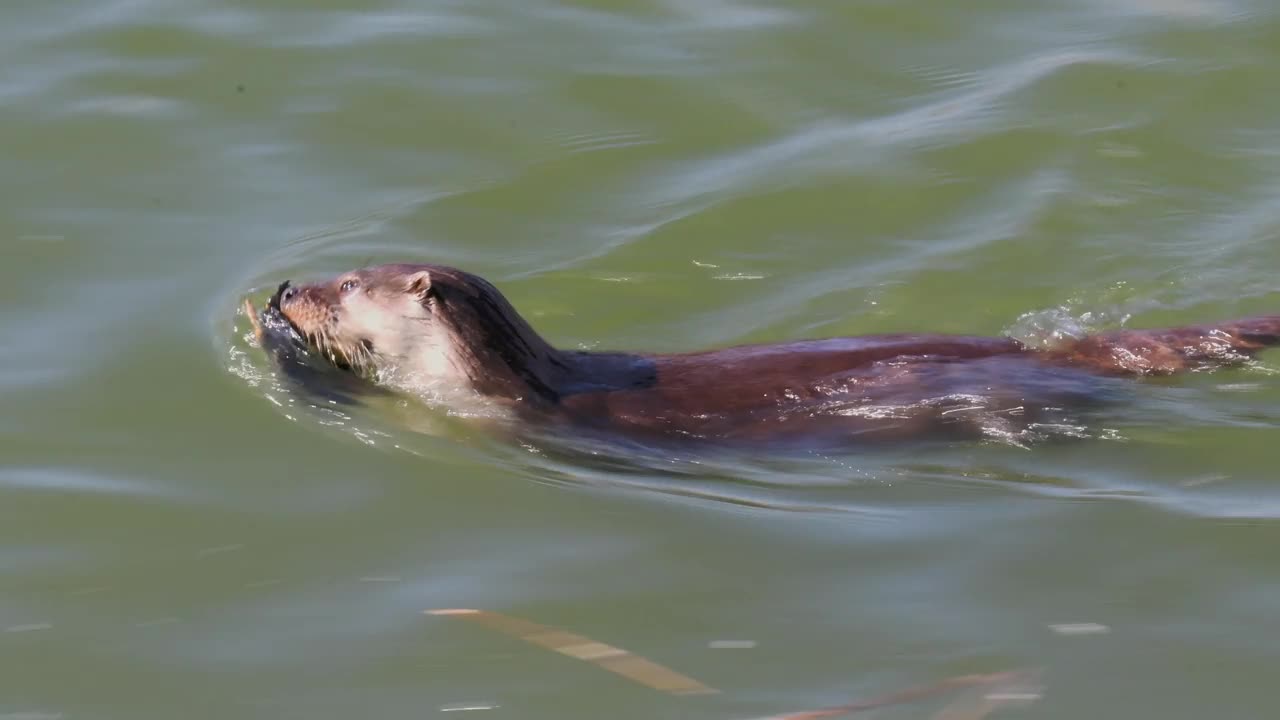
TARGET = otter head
(425,326)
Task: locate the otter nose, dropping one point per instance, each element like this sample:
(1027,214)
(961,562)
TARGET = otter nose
(284,294)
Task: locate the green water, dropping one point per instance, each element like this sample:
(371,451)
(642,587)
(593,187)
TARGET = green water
(181,539)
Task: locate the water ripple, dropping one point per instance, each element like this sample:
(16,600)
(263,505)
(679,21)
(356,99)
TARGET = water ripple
(851,147)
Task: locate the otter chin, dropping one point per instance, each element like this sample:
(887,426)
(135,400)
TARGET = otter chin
(455,335)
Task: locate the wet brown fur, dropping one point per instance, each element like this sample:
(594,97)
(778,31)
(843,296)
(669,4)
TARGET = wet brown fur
(879,386)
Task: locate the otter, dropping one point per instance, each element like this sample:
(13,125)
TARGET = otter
(455,336)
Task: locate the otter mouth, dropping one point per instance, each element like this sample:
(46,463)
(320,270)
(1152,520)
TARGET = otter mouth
(274,317)
(274,320)
(308,370)
(273,308)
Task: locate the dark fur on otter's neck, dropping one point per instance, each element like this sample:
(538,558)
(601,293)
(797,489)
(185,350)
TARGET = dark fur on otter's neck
(505,357)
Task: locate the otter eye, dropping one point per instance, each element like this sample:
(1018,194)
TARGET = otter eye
(348,285)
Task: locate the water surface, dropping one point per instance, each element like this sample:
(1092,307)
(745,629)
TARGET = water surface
(180,539)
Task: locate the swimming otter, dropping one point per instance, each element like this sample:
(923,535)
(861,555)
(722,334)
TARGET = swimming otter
(454,334)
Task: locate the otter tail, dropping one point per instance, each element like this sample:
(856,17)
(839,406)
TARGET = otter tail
(1171,350)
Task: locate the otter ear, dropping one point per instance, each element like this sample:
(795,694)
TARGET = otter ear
(420,284)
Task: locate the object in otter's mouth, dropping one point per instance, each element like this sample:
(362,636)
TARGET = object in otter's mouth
(443,329)
(290,352)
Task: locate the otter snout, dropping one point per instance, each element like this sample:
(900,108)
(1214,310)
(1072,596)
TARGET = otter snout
(288,295)
(274,301)
(307,307)
(285,293)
